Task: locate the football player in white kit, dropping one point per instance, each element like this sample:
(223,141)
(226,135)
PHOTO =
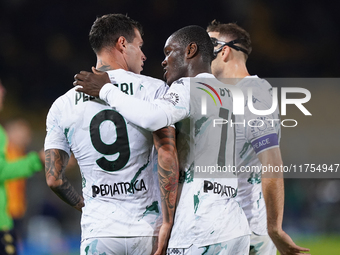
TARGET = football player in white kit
(121,210)
(232,47)
(207,221)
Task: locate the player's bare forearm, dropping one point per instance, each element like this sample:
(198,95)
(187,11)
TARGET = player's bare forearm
(168,174)
(55,165)
(168,187)
(273,189)
(273,193)
(91,83)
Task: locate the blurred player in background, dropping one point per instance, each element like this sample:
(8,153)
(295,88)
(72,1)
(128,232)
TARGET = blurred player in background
(120,209)
(20,168)
(206,222)
(232,47)
(19,136)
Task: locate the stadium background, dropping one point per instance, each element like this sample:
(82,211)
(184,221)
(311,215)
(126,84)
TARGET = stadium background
(44,43)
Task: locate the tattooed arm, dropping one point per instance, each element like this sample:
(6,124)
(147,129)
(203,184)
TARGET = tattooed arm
(165,143)
(55,165)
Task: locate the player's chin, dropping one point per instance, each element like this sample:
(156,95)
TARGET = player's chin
(167,78)
(169,81)
(170,78)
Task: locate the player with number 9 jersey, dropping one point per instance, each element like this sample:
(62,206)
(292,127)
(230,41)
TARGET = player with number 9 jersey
(120,188)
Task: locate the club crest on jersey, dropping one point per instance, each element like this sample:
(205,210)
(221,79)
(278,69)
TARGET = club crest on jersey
(260,126)
(171,97)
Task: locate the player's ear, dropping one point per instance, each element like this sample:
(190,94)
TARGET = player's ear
(121,43)
(191,50)
(226,51)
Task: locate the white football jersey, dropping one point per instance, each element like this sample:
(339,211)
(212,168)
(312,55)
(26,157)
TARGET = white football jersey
(119,182)
(207,212)
(258,134)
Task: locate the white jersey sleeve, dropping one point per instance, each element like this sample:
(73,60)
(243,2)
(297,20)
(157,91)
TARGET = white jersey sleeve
(165,111)
(254,134)
(56,138)
(261,131)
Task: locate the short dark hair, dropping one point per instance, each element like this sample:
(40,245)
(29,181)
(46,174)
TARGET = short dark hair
(232,31)
(198,35)
(106,30)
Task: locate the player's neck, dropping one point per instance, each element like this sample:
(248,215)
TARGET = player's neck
(110,61)
(196,69)
(235,69)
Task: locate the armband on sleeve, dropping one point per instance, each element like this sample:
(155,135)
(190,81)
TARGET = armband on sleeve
(265,142)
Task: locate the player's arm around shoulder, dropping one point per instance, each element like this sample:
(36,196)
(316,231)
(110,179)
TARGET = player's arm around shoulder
(168,174)
(55,164)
